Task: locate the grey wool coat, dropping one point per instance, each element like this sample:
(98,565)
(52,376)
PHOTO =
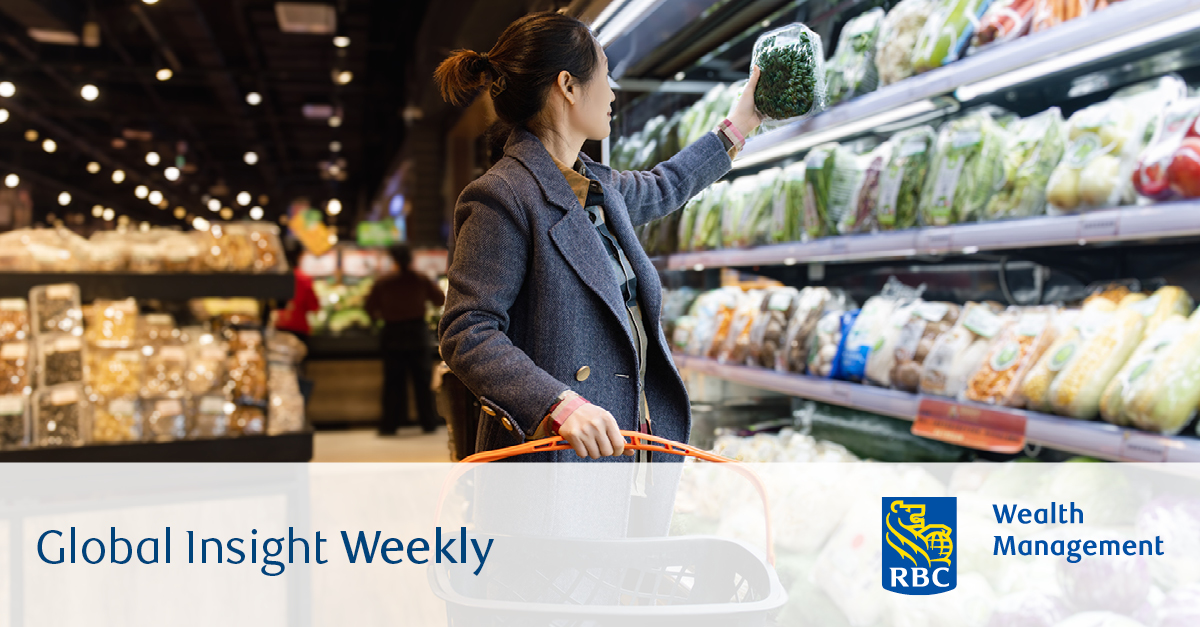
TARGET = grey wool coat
(532,298)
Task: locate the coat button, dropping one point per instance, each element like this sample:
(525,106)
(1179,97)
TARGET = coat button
(489,411)
(583,374)
(507,423)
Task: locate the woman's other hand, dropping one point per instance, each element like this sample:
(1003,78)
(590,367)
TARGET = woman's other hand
(593,432)
(744,116)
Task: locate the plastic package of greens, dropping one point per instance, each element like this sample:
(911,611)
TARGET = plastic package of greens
(946,33)
(757,227)
(898,38)
(706,234)
(963,174)
(787,223)
(791,85)
(818,175)
(848,170)
(743,196)
(901,181)
(687,221)
(851,70)
(861,217)
(1036,145)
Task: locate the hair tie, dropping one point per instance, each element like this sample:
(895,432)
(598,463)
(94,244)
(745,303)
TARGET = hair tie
(498,86)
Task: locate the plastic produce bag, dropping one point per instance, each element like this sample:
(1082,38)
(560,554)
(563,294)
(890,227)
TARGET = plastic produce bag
(1005,20)
(1036,146)
(1051,13)
(916,340)
(787,223)
(706,234)
(851,70)
(813,303)
(791,85)
(957,353)
(743,194)
(861,217)
(901,182)
(1131,381)
(828,342)
(1169,167)
(711,311)
(947,32)
(964,170)
(898,38)
(1168,400)
(759,220)
(818,176)
(1012,355)
(848,170)
(1074,328)
(737,339)
(876,319)
(767,334)
(1077,390)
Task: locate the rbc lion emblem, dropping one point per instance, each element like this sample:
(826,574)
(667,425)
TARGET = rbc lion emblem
(920,540)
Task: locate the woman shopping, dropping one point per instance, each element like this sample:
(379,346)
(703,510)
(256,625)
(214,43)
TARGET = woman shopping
(553,312)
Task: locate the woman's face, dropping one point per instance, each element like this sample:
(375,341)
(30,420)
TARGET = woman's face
(592,111)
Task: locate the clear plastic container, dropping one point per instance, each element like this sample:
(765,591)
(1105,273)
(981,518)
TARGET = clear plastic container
(164,419)
(16,368)
(56,309)
(145,258)
(116,420)
(206,367)
(60,416)
(265,245)
(61,360)
(113,323)
(286,406)
(211,416)
(248,420)
(14,319)
(115,372)
(248,377)
(159,330)
(14,420)
(166,372)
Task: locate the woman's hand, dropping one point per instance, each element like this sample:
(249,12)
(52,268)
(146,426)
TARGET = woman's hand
(593,432)
(743,115)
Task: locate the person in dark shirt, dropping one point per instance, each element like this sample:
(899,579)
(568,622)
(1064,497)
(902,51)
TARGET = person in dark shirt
(398,299)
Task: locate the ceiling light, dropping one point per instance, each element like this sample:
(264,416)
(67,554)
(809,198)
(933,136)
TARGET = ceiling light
(251,158)
(335,146)
(31,135)
(152,158)
(172,173)
(341,41)
(7,89)
(333,239)
(89,92)
(180,212)
(214,205)
(164,74)
(64,198)
(141,191)
(155,197)
(335,121)
(118,176)
(226,213)
(200,224)
(150,1)
(49,145)
(109,214)
(97,211)
(3,116)
(343,77)
(256,213)
(334,207)
(12,180)
(612,24)
(254,98)
(93,167)
(244,198)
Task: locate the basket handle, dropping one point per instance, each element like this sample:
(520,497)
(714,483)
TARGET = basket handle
(641,442)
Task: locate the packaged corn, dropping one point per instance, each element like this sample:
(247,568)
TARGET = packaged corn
(1168,400)
(1077,390)
(1162,304)
(1015,352)
(958,352)
(1035,388)
(1117,403)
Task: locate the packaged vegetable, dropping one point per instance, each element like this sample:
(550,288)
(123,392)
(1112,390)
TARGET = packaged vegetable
(1163,303)
(829,338)
(956,354)
(881,361)
(1117,405)
(898,38)
(861,217)
(1073,328)
(687,222)
(814,302)
(712,312)
(791,84)
(964,170)
(1036,146)
(758,223)
(735,344)
(707,230)
(788,223)
(743,193)
(1173,149)
(1077,389)
(901,182)
(876,319)
(1005,20)
(848,170)
(1168,399)
(917,339)
(818,176)
(767,336)
(946,33)
(1050,13)
(1012,355)
(851,70)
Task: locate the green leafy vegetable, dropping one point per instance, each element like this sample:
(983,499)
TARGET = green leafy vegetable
(792,79)
(851,71)
(901,182)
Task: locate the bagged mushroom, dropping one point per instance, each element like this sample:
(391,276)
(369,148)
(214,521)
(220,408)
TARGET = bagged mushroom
(916,339)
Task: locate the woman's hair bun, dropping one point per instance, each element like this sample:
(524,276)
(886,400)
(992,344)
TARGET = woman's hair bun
(462,75)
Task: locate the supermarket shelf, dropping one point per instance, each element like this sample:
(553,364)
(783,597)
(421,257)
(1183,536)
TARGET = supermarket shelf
(288,447)
(1109,36)
(1083,437)
(163,286)
(1167,220)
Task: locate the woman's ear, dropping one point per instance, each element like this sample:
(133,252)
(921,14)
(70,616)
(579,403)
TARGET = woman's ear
(566,85)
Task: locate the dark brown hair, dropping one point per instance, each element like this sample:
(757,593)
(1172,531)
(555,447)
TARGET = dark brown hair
(522,66)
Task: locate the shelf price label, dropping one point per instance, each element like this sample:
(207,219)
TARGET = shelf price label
(983,428)
(1145,447)
(936,240)
(1100,225)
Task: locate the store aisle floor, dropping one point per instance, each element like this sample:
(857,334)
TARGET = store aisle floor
(366,445)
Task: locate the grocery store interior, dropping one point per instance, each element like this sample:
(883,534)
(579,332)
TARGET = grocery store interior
(974,239)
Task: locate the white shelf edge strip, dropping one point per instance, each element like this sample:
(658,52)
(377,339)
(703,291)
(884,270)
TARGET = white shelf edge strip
(1093,438)
(1165,220)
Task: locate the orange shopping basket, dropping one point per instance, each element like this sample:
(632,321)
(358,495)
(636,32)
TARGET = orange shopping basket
(689,580)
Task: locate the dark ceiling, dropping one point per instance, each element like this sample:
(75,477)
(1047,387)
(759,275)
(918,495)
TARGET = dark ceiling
(219,51)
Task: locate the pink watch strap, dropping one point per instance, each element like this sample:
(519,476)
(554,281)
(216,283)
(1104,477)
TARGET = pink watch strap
(564,410)
(741,139)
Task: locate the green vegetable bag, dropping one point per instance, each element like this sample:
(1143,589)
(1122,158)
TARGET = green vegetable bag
(901,182)
(947,32)
(964,172)
(851,70)
(818,171)
(1036,145)
(787,224)
(792,83)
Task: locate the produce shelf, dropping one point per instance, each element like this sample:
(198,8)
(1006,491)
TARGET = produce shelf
(288,447)
(1096,439)
(1162,221)
(161,286)
(1075,47)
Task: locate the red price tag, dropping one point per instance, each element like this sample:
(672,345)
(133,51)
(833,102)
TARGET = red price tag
(974,427)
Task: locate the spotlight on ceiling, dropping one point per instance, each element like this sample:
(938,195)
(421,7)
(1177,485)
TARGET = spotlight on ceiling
(200,224)
(335,146)
(64,198)
(226,213)
(343,77)
(93,167)
(256,213)
(214,205)
(109,214)
(155,197)
(341,41)
(12,180)
(118,176)
(164,74)
(89,92)
(180,212)
(251,158)
(334,207)
(7,89)
(172,173)
(3,116)
(254,99)
(335,121)
(49,145)
(141,191)
(244,198)
(97,211)
(152,158)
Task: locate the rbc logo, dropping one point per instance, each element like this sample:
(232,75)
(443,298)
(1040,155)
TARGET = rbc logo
(919,545)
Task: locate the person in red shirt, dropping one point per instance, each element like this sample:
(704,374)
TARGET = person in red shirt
(399,299)
(294,317)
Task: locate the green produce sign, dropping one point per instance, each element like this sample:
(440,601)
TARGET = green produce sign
(376,234)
